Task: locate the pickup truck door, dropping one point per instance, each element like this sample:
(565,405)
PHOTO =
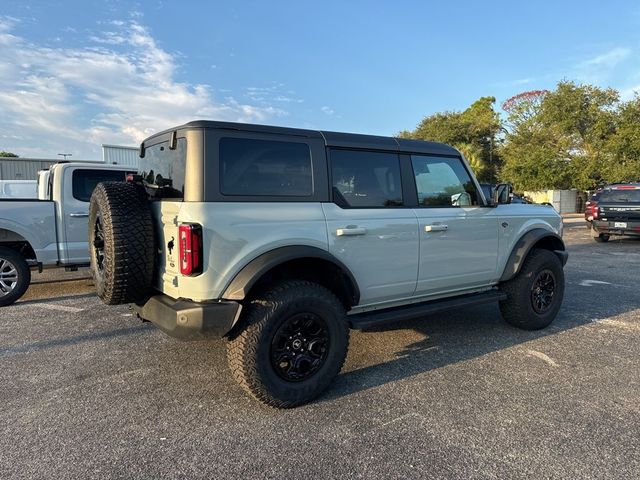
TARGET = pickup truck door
(368,228)
(73,209)
(458,236)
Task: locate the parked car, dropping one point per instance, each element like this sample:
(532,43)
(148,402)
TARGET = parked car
(617,212)
(48,232)
(18,189)
(589,207)
(282,239)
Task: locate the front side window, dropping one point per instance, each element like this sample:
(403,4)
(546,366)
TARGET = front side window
(366,179)
(265,168)
(85,181)
(163,169)
(443,182)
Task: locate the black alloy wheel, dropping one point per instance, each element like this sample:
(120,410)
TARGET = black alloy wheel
(543,290)
(299,347)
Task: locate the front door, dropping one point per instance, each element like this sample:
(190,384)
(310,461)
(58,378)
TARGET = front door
(369,228)
(458,235)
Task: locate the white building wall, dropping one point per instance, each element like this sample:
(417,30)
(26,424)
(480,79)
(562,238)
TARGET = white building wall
(120,155)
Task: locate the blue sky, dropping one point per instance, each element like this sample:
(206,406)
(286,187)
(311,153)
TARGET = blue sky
(76,74)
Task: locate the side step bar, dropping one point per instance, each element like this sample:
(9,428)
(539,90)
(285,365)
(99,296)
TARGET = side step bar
(363,321)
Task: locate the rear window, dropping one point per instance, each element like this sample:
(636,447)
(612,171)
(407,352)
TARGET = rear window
(164,167)
(251,167)
(620,196)
(85,181)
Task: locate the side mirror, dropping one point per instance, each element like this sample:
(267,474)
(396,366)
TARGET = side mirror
(501,194)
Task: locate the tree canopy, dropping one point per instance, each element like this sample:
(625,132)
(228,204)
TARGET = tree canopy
(575,136)
(8,154)
(473,131)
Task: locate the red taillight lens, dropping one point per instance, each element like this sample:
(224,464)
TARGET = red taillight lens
(190,247)
(596,211)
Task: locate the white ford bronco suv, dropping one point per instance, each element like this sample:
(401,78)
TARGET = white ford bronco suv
(283,239)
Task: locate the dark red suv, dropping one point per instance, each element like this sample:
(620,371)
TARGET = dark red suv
(589,207)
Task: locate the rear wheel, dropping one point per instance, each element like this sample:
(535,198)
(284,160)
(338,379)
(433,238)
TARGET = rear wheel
(535,295)
(292,342)
(121,242)
(602,238)
(15,276)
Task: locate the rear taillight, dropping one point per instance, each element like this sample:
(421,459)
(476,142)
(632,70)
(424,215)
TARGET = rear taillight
(190,247)
(596,211)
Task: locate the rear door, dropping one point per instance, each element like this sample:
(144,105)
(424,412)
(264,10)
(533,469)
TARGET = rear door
(368,225)
(73,208)
(458,235)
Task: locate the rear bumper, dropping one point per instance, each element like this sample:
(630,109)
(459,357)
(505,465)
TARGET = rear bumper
(189,320)
(609,227)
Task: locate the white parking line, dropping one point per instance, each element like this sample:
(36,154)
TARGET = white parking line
(62,308)
(544,357)
(591,283)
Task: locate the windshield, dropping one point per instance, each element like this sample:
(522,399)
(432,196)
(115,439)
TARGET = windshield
(162,169)
(620,196)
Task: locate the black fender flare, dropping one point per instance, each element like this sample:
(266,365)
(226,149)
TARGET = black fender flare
(246,278)
(523,246)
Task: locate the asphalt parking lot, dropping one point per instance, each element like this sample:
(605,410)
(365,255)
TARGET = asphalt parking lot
(87,391)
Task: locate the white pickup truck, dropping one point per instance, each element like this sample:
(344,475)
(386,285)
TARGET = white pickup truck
(50,231)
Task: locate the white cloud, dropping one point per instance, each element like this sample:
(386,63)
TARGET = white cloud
(275,93)
(629,93)
(119,88)
(600,68)
(608,59)
(327,110)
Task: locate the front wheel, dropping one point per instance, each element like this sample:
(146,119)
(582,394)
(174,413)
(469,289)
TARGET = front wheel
(291,343)
(535,295)
(15,276)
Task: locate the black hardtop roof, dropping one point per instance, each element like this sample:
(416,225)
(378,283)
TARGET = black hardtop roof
(331,139)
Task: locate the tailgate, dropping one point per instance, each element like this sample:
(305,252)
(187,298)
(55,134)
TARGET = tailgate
(165,217)
(617,212)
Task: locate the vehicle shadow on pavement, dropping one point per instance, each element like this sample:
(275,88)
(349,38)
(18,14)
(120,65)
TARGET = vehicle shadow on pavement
(57,299)
(448,339)
(74,340)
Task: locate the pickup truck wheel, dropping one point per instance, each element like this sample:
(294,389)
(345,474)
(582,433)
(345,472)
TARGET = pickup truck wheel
(15,276)
(121,242)
(534,296)
(291,343)
(602,238)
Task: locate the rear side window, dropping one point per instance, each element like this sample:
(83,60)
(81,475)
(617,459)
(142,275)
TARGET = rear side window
(366,179)
(85,181)
(163,168)
(443,182)
(265,168)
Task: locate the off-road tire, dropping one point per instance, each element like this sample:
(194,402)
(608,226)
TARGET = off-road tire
(518,309)
(249,345)
(602,238)
(24,276)
(125,273)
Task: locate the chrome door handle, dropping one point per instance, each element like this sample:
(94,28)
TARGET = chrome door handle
(78,215)
(435,228)
(346,232)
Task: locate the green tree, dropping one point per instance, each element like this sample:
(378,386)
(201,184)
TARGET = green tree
(8,154)
(560,139)
(473,130)
(624,145)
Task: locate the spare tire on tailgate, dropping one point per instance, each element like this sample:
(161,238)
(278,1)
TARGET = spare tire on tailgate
(121,242)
